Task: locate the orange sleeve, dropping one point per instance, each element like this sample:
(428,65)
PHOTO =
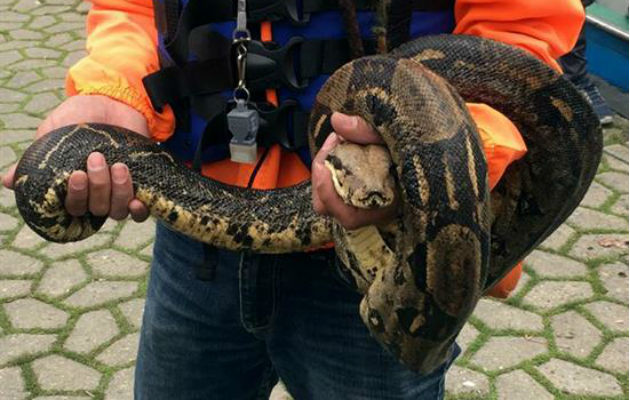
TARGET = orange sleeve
(122,49)
(546,28)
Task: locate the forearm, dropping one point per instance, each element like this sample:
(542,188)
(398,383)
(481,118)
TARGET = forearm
(122,49)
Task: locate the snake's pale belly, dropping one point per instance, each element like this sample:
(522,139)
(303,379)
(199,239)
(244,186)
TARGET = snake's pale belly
(453,238)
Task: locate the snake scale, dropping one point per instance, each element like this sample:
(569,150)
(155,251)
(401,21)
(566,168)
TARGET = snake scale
(453,239)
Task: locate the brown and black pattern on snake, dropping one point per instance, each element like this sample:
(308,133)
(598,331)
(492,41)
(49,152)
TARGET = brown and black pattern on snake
(452,240)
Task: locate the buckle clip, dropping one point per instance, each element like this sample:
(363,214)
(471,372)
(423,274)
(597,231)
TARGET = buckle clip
(275,123)
(273,67)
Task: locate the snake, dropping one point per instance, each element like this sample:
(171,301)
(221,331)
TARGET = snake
(422,274)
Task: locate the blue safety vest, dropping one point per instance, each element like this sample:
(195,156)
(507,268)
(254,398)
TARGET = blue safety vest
(197,60)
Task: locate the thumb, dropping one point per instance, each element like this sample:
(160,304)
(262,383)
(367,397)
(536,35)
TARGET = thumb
(7,179)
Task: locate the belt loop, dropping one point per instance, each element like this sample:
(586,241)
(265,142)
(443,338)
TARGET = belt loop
(207,270)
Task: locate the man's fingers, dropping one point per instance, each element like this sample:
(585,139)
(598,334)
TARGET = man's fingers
(139,212)
(77,198)
(354,129)
(7,179)
(122,192)
(99,183)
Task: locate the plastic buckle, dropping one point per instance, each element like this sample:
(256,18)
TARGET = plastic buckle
(273,67)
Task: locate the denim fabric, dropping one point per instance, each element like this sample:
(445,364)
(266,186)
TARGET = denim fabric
(227,337)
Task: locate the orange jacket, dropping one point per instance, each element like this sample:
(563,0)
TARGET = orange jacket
(122,42)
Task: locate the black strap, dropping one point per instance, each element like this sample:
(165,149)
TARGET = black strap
(268,66)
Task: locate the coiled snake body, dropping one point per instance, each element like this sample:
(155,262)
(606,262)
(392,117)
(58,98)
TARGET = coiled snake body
(452,240)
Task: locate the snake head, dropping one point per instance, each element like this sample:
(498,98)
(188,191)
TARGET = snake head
(361,174)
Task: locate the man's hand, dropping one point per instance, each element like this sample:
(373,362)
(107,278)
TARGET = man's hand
(326,201)
(103,190)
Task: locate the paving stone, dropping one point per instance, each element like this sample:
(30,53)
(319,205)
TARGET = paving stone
(109,225)
(45,85)
(22,79)
(20,264)
(41,52)
(58,250)
(618,150)
(26,5)
(42,21)
(46,10)
(101,292)
(464,381)
(12,136)
(616,164)
(147,251)
(621,205)
(58,373)
(615,180)
(14,288)
(42,102)
(27,239)
(20,121)
(10,96)
(112,263)
(517,385)
(573,379)
(554,266)
(12,384)
(74,45)
(547,295)
(121,385)
(91,330)
(9,57)
(613,316)
(7,156)
(614,277)
(590,247)
(33,63)
(596,195)
(10,45)
(6,108)
(73,57)
(22,344)
(507,351)
(63,398)
(134,308)
(134,235)
(7,222)
(59,39)
(121,352)
(559,238)
(31,313)
(466,336)
(574,334)
(61,277)
(615,356)
(586,219)
(497,315)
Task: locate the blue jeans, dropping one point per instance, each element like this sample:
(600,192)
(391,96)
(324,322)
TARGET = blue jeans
(256,316)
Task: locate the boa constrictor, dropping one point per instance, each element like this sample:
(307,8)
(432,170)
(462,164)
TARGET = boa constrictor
(453,238)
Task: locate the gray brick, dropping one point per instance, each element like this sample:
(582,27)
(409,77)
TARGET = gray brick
(92,330)
(553,265)
(614,277)
(506,351)
(133,309)
(32,314)
(14,288)
(574,334)
(7,222)
(97,293)
(58,250)
(586,219)
(22,344)
(61,277)
(121,352)
(27,239)
(464,381)
(497,315)
(548,295)
(58,373)
(573,379)
(517,385)
(20,264)
(615,356)
(111,263)
(12,384)
(600,245)
(121,385)
(613,316)
(615,180)
(134,235)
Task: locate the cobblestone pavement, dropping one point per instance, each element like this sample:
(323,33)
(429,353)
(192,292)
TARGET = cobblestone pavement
(69,314)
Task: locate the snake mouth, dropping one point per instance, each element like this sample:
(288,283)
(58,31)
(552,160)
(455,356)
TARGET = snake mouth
(375,200)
